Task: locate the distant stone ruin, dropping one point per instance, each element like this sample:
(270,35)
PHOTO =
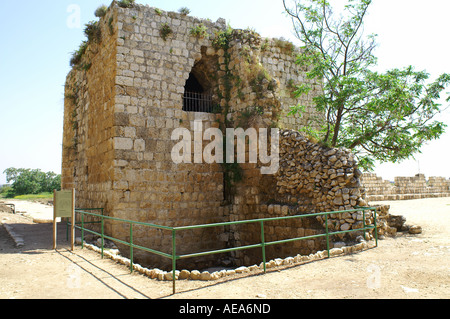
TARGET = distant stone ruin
(403,188)
(145,73)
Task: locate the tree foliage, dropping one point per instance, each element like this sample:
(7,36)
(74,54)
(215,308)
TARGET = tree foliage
(31,181)
(383,117)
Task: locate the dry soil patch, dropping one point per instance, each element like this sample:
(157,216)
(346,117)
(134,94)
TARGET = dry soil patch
(405,267)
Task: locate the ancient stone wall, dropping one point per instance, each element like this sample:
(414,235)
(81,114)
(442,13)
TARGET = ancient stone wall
(315,179)
(377,189)
(256,74)
(311,179)
(149,186)
(125,98)
(90,101)
(278,57)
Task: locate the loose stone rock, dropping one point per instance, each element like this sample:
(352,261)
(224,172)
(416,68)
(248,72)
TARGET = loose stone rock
(230,273)
(195,275)
(184,274)
(205,276)
(336,252)
(414,230)
(169,275)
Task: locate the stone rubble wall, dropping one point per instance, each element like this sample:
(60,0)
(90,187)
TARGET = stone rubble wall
(315,179)
(403,188)
(260,97)
(311,179)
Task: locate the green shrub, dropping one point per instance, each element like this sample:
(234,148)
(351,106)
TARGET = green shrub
(199,31)
(111,26)
(286,46)
(78,55)
(126,3)
(6,192)
(93,31)
(165,31)
(222,39)
(184,11)
(101,11)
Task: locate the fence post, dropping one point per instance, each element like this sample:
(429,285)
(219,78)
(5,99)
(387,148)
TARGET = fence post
(174,260)
(375,224)
(131,247)
(364,224)
(328,235)
(263,242)
(82,230)
(103,234)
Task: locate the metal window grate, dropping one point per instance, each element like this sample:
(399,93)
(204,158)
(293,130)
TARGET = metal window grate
(197,102)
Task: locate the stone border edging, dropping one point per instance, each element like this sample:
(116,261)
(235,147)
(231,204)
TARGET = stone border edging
(18,240)
(207,276)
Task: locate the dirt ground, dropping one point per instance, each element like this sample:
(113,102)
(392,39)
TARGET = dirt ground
(405,267)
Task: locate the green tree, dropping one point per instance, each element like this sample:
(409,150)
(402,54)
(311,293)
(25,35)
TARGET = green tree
(31,181)
(50,181)
(385,117)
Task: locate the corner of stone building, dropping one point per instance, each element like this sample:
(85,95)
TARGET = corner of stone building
(88,104)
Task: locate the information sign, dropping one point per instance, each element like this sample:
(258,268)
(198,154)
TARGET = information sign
(63,204)
(64,207)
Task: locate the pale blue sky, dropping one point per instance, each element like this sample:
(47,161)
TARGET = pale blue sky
(37,43)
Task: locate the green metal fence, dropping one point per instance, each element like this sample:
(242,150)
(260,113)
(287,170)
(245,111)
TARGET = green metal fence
(84,223)
(174,257)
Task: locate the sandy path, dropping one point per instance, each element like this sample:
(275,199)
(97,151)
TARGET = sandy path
(409,266)
(39,212)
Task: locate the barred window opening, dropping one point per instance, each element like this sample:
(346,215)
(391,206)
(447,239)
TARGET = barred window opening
(195,98)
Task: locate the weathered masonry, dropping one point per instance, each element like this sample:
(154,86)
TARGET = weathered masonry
(146,72)
(377,189)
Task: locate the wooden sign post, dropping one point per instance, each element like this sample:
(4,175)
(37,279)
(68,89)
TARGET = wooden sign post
(64,207)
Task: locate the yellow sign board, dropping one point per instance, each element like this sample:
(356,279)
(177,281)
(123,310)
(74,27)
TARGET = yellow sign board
(64,207)
(63,204)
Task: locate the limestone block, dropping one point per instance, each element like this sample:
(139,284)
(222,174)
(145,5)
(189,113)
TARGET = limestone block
(336,252)
(230,273)
(253,268)
(139,145)
(129,132)
(121,143)
(288,261)
(415,230)
(205,276)
(169,275)
(161,275)
(277,209)
(123,80)
(120,99)
(195,275)
(242,269)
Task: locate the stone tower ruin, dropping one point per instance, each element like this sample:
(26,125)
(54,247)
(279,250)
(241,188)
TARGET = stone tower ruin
(144,73)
